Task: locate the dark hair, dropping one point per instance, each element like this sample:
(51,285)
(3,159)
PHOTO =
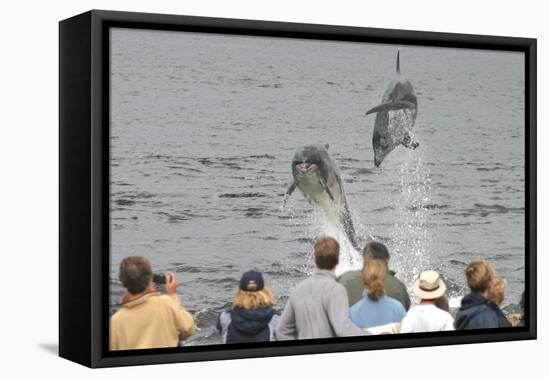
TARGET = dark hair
(376,250)
(327,252)
(135,274)
(442,303)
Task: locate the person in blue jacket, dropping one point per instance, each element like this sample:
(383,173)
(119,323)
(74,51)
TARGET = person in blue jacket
(476,311)
(376,309)
(252,317)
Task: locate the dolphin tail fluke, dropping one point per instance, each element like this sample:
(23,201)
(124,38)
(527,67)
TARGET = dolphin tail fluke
(397,69)
(391,105)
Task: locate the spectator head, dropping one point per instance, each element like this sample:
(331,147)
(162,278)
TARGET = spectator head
(374,278)
(479,275)
(327,253)
(377,251)
(252,293)
(135,274)
(497,290)
(442,303)
(429,285)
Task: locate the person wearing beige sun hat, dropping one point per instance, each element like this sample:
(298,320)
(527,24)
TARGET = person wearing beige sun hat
(426,317)
(429,285)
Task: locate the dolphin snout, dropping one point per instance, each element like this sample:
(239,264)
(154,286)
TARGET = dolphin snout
(304,167)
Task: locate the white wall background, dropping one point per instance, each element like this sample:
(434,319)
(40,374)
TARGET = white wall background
(29,186)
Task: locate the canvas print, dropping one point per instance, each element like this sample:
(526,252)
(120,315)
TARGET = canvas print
(268,189)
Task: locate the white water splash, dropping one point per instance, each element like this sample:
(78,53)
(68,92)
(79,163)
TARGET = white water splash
(350,258)
(411,240)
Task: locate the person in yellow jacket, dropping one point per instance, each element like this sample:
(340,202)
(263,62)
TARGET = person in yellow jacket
(147,318)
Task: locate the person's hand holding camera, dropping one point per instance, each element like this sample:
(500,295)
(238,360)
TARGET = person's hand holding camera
(171,283)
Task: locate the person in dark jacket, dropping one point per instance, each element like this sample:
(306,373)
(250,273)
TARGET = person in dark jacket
(476,311)
(252,318)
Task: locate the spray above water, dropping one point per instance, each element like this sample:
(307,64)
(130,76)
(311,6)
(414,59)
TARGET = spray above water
(350,258)
(411,241)
(317,224)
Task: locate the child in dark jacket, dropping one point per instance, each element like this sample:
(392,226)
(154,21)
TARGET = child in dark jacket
(496,294)
(252,318)
(476,311)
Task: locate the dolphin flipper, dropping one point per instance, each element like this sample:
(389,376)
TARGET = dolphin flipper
(391,105)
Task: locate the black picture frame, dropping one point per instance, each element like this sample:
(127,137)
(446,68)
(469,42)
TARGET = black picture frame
(84,186)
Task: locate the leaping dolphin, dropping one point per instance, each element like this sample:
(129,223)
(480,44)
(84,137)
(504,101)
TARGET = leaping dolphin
(395,117)
(316,175)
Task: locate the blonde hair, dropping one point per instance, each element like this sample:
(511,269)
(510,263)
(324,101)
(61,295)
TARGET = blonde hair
(374,278)
(479,274)
(497,290)
(250,300)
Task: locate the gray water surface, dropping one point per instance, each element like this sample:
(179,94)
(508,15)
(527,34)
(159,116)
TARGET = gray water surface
(204,127)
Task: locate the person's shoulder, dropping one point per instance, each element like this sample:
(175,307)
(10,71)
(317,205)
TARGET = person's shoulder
(118,315)
(480,312)
(301,285)
(167,301)
(411,314)
(164,298)
(337,288)
(359,303)
(300,289)
(392,279)
(489,309)
(440,312)
(356,307)
(350,275)
(395,304)
(484,317)
(392,301)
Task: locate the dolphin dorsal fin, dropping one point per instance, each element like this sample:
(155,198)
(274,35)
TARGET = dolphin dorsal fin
(397,66)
